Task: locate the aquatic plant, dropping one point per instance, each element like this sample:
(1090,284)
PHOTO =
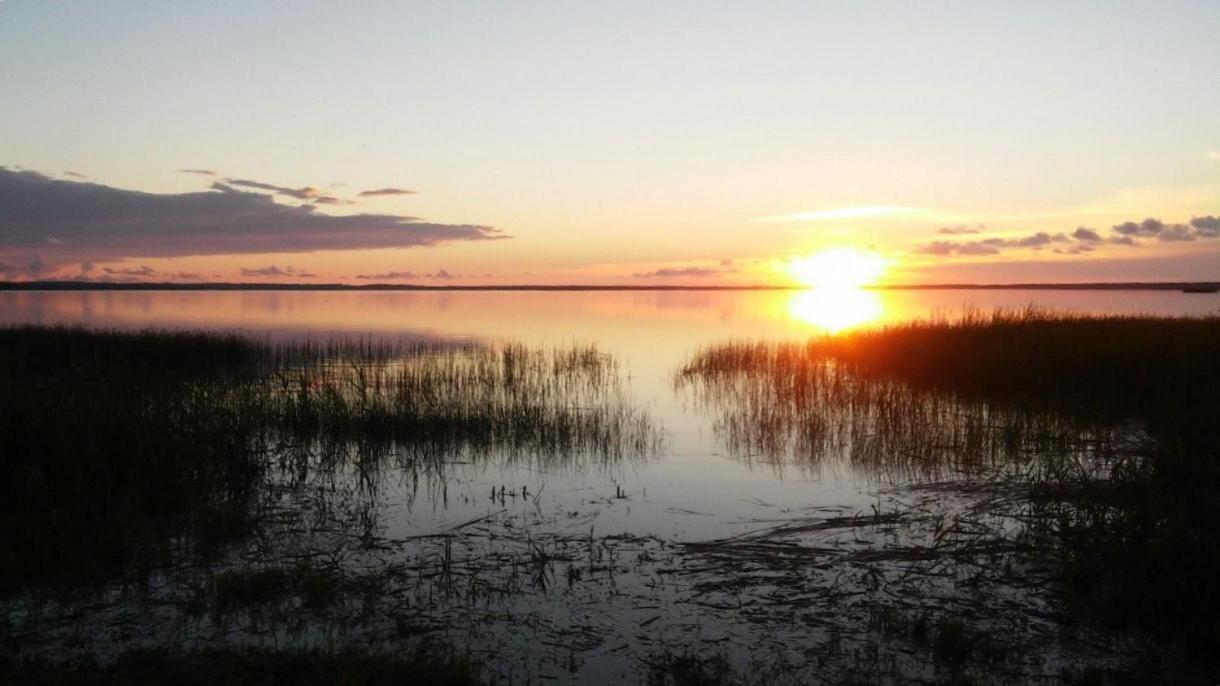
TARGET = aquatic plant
(1111,417)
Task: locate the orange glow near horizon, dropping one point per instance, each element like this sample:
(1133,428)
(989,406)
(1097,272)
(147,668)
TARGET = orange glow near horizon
(838,269)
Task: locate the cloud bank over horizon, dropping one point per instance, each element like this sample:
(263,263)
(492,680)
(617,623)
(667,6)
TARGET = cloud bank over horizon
(46,223)
(1082,240)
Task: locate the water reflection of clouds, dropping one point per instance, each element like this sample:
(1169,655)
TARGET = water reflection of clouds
(835,309)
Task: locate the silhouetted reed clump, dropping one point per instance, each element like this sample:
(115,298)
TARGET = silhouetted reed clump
(123,451)
(1135,519)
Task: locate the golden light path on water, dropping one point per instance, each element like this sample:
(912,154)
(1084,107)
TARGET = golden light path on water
(834,310)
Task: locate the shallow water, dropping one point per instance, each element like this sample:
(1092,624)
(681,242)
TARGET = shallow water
(649,585)
(651,333)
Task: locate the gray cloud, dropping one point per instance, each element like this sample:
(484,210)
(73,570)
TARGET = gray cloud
(1176,232)
(1082,240)
(75,175)
(385,191)
(201,172)
(143,271)
(1145,229)
(306,193)
(959,230)
(440,274)
(1086,235)
(272,270)
(1206,227)
(991,246)
(958,248)
(669,272)
(93,222)
(388,276)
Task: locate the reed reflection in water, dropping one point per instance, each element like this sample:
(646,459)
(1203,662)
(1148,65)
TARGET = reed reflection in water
(785,403)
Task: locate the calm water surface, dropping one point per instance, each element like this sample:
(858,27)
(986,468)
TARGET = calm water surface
(693,490)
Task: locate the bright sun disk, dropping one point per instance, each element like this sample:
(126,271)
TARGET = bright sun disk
(837,268)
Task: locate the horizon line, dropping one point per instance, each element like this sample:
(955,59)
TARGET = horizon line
(69,285)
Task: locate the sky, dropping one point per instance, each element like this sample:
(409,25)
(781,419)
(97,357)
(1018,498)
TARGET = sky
(684,143)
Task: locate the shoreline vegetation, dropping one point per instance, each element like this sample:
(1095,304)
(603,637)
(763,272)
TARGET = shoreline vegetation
(1191,287)
(1135,530)
(239,481)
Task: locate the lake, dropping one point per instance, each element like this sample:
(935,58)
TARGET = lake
(539,612)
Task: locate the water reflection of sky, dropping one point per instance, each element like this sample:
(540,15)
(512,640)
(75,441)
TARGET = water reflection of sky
(692,490)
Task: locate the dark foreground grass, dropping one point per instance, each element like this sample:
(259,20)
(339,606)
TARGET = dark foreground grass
(424,665)
(1140,541)
(124,451)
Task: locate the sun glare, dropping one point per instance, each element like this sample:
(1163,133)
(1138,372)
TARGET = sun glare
(835,310)
(838,268)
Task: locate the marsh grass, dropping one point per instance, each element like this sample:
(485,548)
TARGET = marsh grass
(1108,423)
(123,451)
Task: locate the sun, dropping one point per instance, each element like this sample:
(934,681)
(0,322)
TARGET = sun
(838,268)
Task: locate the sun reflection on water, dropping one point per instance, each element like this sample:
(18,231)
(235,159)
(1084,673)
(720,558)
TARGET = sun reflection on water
(835,309)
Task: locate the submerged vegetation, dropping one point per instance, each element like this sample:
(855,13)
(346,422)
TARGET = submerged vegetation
(1108,424)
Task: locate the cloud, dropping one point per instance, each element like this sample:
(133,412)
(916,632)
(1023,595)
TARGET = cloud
(388,276)
(272,270)
(306,193)
(1206,227)
(1083,239)
(201,172)
(75,175)
(99,223)
(1086,235)
(1175,233)
(1145,229)
(385,191)
(143,271)
(991,246)
(440,274)
(670,272)
(958,248)
(1213,155)
(960,230)
(331,200)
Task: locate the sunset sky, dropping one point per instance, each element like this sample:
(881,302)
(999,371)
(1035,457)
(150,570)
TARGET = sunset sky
(683,143)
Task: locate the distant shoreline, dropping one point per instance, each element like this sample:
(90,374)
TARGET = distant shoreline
(154,286)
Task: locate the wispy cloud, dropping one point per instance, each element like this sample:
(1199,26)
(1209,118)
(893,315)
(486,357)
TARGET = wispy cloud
(200,172)
(274,271)
(388,276)
(305,193)
(441,274)
(960,230)
(143,271)
(75,175)
(385,191)
(45,220)
(726,267)
(331,200)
